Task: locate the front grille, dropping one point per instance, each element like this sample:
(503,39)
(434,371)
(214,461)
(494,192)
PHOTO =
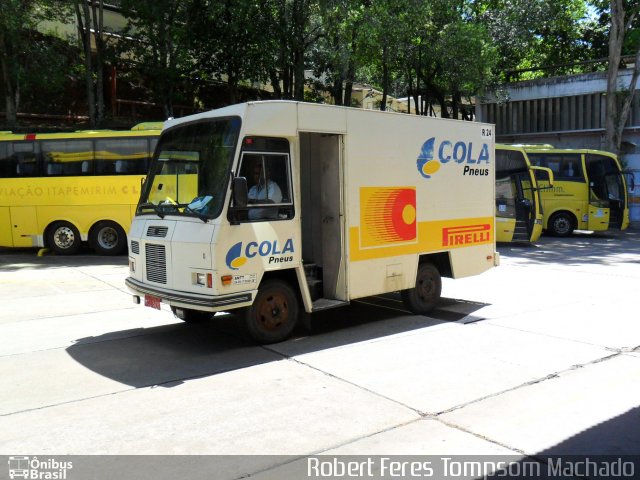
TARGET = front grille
(156,263)
(159,232)
(135,247)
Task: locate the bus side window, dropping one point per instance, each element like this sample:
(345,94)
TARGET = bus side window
(66,157)
(570,167)
(7,165)
(539,161)
(25,159)
(121,156)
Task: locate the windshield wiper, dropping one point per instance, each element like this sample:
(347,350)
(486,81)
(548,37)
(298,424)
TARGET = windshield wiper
(201,216)
(154,207)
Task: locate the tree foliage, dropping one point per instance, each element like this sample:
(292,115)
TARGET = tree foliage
(158,39)
(534,34)
(623,35)
(437,52)
(24,51)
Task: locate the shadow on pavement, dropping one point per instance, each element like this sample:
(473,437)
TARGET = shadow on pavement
(170,354)
(581,248)
(606,450)
(12,259)
(617,436)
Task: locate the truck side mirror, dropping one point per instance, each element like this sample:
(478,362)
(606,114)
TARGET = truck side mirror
(240,192)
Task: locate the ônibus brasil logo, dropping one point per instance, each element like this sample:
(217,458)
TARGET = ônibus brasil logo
(459,152)
(237,255)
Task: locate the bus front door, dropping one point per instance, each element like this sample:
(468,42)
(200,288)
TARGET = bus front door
(525,208)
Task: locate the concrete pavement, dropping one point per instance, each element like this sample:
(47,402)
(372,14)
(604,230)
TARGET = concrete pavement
(540,355)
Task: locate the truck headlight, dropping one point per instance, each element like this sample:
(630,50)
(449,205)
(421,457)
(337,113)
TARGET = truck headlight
(203,279)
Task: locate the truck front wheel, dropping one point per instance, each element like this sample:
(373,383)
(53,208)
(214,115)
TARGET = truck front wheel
(274,312)
(426,294)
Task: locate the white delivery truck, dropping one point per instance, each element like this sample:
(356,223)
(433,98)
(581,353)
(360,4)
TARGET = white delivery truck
(283,208)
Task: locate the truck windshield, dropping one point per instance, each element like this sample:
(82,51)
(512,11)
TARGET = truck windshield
(190,169)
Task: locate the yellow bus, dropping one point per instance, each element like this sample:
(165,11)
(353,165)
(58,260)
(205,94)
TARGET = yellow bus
(589,192)
(518,203)
(58,190)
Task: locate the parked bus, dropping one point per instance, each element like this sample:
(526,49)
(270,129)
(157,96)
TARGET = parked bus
(589,190)
(281,207)
(60,189)
(518,203)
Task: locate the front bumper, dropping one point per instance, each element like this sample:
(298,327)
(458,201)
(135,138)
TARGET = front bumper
(198,302)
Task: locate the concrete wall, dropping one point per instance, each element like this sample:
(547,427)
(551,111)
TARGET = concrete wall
(567,112)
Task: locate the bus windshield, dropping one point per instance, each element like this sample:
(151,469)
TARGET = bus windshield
(605,180)
(190,169)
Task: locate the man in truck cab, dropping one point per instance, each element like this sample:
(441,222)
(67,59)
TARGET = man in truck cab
(263,191)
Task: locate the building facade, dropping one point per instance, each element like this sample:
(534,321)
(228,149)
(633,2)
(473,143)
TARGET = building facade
(566,112)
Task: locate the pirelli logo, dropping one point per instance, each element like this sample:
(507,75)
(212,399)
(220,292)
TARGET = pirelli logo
(466,235)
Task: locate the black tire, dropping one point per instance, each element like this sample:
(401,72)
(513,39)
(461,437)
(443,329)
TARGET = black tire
(108,238)
(274,312)
(561,224)
(426,294)
(191,316)
(63,238)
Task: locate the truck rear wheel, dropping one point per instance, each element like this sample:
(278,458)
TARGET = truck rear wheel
(426,294)
(274,312)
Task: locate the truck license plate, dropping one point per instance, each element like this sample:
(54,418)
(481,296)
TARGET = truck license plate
(151,301)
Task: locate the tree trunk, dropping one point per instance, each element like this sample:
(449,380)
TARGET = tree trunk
(232,88)
(84,31)
(9,93)
(616,37)
(385,78)
(626,106)
(299,22)
(98,25)
(336,90)
(351,69)
(275,83)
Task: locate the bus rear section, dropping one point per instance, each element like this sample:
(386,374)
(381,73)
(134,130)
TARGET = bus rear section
(589,190)
(279,209)
(58,190)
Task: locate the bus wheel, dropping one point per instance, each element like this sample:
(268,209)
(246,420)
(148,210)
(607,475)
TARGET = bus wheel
(63,238)
(191,316)
(561,224)
(426,294)
(108,238)
(274,312)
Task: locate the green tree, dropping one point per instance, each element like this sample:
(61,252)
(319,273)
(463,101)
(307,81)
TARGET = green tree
(383,35)
(90,17)
(19,39)
(624,37)
(467,57)
(233,50)
(292,28)
(531,34)
(431,50)
(160,37)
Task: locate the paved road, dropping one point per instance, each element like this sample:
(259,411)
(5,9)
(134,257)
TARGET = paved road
(538,356)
